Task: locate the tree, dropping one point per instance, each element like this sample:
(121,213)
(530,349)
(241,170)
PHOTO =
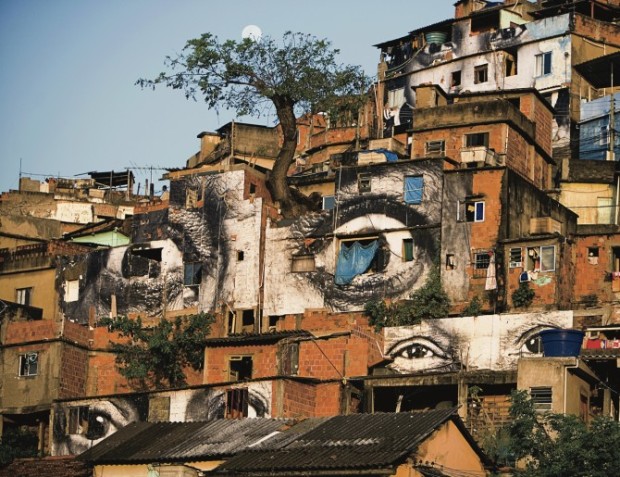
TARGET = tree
(559,445)
(17,443)
(156,357)
(299,75)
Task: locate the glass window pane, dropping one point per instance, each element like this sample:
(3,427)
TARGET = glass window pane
(547,258)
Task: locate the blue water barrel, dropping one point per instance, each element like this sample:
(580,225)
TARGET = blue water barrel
(558,342)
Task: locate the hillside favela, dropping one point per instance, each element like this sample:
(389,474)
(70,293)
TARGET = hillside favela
(421,281)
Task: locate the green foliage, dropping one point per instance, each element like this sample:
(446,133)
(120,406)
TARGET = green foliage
(17,443)
(523,296)
(554,445)
(473,308)
(248,75)
(156,357)
(429,301)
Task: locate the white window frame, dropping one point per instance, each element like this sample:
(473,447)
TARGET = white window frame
(544,67)
(462,214)
(28,364)
(23,296)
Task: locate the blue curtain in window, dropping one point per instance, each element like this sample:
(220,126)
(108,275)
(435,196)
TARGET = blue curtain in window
(414,187)
(354,260)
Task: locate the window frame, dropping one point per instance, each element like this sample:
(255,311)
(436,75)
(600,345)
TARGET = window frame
(26,299)
(515,257)
(24,370)
(408,250)
(479,212)
(364,183)
(538,249)
(481,74)
(196,269)
(298,261)
(328,202)
(472,139)
(542,398)
(435,148)
(544,66)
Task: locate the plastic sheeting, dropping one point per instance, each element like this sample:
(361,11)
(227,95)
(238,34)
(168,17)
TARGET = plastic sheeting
(354,260)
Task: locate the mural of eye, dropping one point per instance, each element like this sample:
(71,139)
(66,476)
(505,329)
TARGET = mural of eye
(419,353)
(391,273)
(530,342)
(79,428)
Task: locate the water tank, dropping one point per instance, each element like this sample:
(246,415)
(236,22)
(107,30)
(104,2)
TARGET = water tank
(558,342)
(438,37)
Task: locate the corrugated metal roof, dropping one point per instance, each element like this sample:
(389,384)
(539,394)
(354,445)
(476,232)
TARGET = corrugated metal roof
(145,442)
(346,442)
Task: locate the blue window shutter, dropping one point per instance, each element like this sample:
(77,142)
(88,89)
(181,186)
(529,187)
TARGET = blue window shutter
(414,188)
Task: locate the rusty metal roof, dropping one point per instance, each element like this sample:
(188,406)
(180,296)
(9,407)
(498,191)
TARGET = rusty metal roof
(146,442)
(345,443)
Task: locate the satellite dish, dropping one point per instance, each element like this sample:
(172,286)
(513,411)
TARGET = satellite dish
(252,32)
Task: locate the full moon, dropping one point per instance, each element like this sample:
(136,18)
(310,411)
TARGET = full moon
(252,32)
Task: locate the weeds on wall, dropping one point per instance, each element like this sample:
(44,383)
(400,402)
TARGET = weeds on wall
(523,296)
(429,301)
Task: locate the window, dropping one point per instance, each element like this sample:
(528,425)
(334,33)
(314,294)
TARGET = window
(450,262)
(363,182)
(603,139)
(72,291)
(396,98)
(240,368)
(593,255)
(407,250)
(193,274)
(414,189)
(329,202)
(237,403)
(605,210)
(289,359)
(252,188)
(435,148)
(303,263)
(78,420)
(481,259)
(481,74)
(23,296)
(456,78)
(510,64)
(28,364)
(471,211)
(247,321)
(516,257)
(240,255)
(356,257)
(541,259)
(477,139)
(541,398)
(543,64)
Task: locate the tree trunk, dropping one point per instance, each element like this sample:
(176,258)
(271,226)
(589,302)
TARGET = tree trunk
(277,182)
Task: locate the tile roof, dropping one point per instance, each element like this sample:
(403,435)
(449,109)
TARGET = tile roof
(359,441)
(146,442)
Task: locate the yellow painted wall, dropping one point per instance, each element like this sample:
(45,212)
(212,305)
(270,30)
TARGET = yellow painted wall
(43,289)
(582,198)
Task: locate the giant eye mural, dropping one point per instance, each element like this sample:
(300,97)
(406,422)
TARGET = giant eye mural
(379,241)
(483,342)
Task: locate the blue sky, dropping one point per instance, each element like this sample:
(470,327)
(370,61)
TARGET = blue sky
(67,95)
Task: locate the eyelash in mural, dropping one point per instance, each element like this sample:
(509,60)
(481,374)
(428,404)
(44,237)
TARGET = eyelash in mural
(420,352)
(529,341)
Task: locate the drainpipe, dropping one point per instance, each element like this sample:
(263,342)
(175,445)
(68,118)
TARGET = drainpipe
(566,368)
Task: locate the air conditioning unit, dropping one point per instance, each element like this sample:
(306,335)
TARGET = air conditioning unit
(516,264)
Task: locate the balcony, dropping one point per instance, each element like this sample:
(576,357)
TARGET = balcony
(479,156)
